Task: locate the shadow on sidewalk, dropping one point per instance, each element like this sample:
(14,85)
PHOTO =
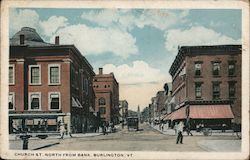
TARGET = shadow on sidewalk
(46,146)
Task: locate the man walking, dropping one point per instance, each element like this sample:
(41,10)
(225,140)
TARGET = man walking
(180,131)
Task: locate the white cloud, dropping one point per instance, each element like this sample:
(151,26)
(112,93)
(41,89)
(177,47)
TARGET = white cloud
(140,72)
(50,26)
(125,19)
(137,83)
(196,35)
(98,40)
(139,94)
(23,18)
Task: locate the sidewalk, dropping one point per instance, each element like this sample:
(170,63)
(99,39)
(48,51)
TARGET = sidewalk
(214,132)
(57,136)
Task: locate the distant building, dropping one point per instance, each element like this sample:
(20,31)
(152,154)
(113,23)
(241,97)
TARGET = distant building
(48,84)
(106,90)
(123,110)
(207,85)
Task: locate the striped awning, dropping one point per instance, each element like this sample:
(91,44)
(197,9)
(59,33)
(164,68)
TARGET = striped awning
(211,112)
(202,112)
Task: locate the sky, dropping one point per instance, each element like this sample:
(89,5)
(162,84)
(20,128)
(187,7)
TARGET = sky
(137,45)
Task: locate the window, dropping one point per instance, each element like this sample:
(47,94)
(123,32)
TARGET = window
(216,68)
(54,101)
(102,110)
(101,101)
(35,74)
(11,100)
(198,90)
(86,85)
(197,69)
(54,74)
(216,90)
(231,68)
(11,74)
(35,101)
(232,89)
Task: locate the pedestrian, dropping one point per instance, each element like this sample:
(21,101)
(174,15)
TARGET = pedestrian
(162,126)
(180,131)
(70,131)
(62,130)
(175,128)
(188,129)
(223,127)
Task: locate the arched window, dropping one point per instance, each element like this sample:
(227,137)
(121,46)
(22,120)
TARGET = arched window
(102,101)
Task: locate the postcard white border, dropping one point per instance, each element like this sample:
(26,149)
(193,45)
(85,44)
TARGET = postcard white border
(219,4)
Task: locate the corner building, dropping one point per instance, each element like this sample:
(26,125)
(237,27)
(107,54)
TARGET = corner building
(48,84)
(207,85)
(106,90)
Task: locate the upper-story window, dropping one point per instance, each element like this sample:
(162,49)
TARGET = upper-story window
(231,68)
(35,74)
(54,101)
(216,90)
(216,68)
(198,90)
(86,85)
(102,110)
(11,101)
(197,69)
(231,89)
(35,101)
(11,74)
(101,101)
(54,74)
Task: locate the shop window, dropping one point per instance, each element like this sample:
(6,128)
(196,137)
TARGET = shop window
(54,101)
(11,74)
(11,100)
(35,101)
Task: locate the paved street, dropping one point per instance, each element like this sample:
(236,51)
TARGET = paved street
(147,139)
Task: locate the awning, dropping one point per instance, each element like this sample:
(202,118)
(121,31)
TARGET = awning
(210,112)
(91,109)
(76,103)
(179,114)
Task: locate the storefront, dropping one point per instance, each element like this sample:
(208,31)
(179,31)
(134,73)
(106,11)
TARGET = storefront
(212,116)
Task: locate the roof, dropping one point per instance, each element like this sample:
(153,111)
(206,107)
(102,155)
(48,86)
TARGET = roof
(31,38)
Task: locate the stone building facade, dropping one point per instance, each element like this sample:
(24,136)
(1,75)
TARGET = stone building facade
(48,84)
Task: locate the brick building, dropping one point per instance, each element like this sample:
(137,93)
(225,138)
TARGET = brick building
(48,83)
(207,85)
(106,90)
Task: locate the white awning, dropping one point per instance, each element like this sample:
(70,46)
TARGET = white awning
(76,103)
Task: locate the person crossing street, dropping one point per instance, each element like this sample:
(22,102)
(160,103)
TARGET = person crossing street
(180,127)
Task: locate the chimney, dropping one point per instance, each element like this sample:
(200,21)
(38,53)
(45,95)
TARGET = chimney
(57,40)
(100,71)
(22,39)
